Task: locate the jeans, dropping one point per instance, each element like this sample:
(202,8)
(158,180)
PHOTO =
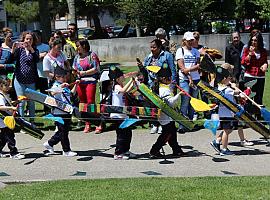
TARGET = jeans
(20,90)
(185,107)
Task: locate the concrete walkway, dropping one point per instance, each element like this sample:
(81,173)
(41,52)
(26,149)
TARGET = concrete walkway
(95,159)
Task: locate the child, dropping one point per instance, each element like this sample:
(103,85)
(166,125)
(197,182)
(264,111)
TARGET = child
(169,130)
(7,135)
(123,136)
(227,121)
(63,129)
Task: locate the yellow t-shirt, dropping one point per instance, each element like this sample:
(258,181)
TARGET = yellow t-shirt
(72,43)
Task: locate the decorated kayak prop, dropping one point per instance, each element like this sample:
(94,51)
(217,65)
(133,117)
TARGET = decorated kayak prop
(240,113)
(165,107)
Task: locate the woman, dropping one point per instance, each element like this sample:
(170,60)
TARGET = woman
(7,66)
(26,56)
(188,60)
(54,58)
(254,59)
(160,58)
(86,65)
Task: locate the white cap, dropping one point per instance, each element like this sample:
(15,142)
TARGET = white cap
(188,36)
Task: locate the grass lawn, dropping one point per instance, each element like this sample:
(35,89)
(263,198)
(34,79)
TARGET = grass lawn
(144,188)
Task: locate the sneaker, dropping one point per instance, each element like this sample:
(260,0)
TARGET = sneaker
(154,129)
(22,131)
(4,155)
(179,153)
(195,117)
(159,130)
(215,145)
(98,130)
(225,152)
(155,155)
(121,157)
(131,155)
(87,128)
(17,156)
(49,148)
(245,143)
(69,153)
(56,129)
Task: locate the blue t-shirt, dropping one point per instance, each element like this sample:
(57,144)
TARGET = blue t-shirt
(42,48)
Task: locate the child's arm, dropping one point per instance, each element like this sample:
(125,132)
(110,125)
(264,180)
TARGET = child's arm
(174,100)
(126,87)
(7,108)
(59,89)
(73,90)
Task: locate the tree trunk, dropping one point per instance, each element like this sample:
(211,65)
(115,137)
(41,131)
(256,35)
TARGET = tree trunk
(138,31)
(72,11)
(45,20)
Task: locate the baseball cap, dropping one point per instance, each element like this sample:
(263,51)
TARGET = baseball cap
(188,36)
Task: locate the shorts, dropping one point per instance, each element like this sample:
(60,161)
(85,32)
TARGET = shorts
(228,123)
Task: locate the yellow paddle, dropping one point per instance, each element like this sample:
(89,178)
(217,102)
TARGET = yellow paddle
(154,69)
(9,121)
(197,104)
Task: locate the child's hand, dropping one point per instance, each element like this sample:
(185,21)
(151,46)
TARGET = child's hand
(63,85)
(77,82)
(13,108)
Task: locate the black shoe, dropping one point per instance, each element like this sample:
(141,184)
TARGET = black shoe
(155,156)
(181,130)
(179,153)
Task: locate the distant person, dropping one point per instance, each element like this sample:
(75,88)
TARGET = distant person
(124,31)
(69,48)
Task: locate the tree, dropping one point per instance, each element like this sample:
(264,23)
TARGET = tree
(22,11)
(72,11)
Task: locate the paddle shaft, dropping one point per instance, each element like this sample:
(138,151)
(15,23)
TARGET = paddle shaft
(182,90)
(251,100)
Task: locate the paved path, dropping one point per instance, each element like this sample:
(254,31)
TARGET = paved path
(95,158)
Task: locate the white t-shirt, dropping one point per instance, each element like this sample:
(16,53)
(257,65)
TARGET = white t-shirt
(3,102)
(42,48)
(166,94)
(190,58)
(49,62)
(223,111)
(118,99)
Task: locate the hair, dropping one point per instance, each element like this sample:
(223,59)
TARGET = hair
(259,37)
(196,35)
(38,33)
(160,32)
(54,41)
(3,81)
(85,44)
(227,66)
(157,42)
(60,34)
(6,31)
(254,31)
(73,24)
(23,35)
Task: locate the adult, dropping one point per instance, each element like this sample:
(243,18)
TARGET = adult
(196,43)
(54,58)
(7,66)
(42,83)
(86,64)
(188,60)
(69,48)
(233,54)
(254,59)
(26,56)
(161,58)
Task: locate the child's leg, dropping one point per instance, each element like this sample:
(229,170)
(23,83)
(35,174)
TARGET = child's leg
(225,138)
(241,133)
(3,139)
(11,142)
(64,131)
(172,140)
(123,140)
(163,138)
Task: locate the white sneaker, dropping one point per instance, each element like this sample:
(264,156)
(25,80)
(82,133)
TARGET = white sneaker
(69,153)
(22,131)
(17,156)
(131,155)
(4,155)
(56,129)
(159,130)
(154,129)
(195,117)
(49,148)
(121,157)
(246,143)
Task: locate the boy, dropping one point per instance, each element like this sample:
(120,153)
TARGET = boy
(63,129)
(7,135)
(169,130)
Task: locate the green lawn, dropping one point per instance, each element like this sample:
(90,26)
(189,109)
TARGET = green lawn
(144,189)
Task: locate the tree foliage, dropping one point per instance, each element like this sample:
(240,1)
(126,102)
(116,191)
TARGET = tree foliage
(264,11)
(23,11)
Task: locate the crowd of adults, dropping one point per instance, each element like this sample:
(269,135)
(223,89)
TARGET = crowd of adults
(30,63)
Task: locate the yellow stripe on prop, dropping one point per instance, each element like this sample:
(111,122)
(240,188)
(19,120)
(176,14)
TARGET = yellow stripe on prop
(154,69)
(98,108)
(141,110)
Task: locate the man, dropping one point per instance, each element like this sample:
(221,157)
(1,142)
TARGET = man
(233,54)
(70,48)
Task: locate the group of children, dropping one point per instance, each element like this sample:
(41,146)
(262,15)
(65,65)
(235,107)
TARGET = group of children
(118,98)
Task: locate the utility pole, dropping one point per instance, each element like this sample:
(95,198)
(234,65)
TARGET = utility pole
(72,11)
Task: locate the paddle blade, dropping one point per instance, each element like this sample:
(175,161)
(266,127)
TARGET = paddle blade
(10,122)
(266,115)
(199,105)
(128,122)
(53,118)
(20,98)
(212,125)
(154,69)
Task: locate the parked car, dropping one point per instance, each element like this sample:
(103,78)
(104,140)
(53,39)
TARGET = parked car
(85,33)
